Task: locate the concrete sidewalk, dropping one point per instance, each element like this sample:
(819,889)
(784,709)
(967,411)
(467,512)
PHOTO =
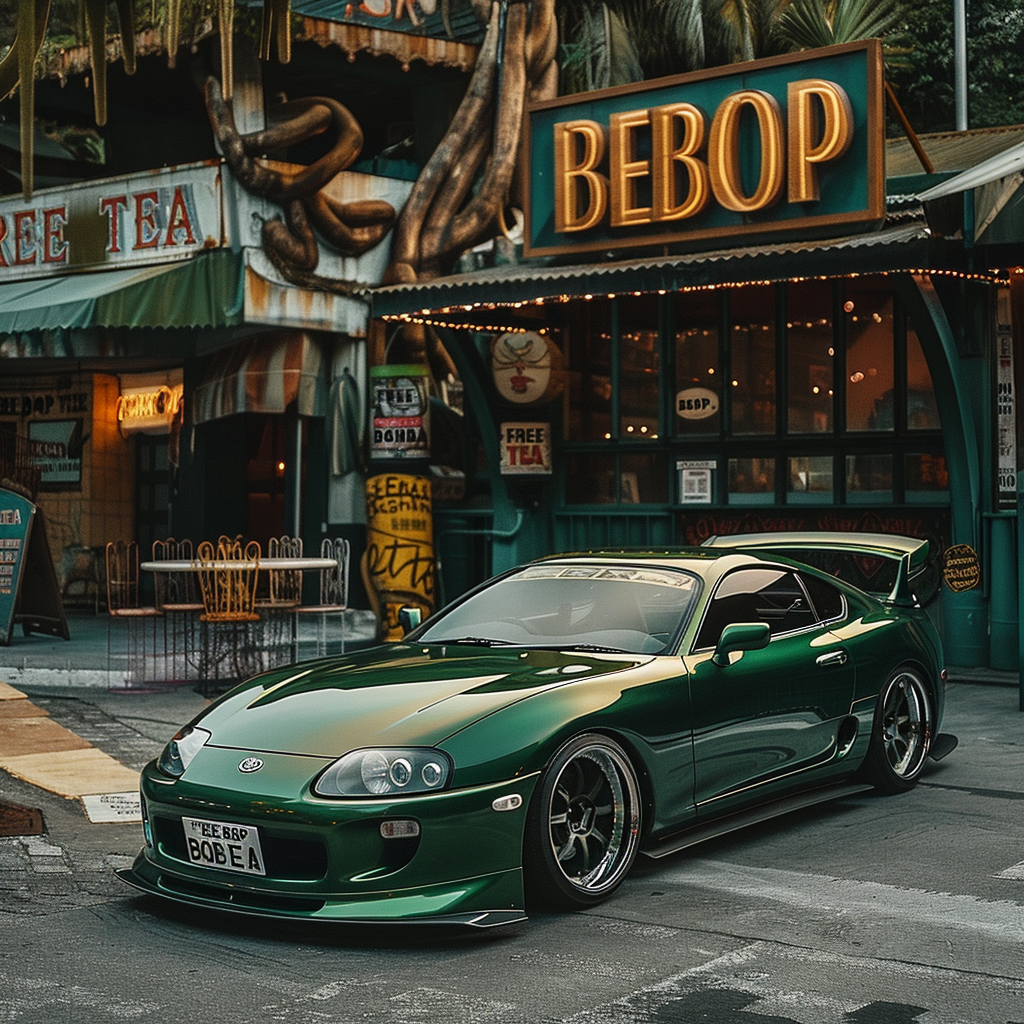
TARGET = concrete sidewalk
(86,661)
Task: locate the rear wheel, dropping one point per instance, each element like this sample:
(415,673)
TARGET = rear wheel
(583,829)
(902,733)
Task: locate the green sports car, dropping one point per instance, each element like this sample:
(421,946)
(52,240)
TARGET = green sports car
(523,745)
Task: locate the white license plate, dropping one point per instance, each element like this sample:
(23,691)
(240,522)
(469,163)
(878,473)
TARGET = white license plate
(223,844)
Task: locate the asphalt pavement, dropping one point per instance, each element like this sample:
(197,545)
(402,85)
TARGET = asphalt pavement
(874,911)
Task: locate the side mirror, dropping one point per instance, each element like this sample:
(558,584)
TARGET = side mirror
(409,617)
(740,636)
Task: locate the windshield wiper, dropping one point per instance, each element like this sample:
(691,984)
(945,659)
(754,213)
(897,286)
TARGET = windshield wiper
(596,648)
(476,641)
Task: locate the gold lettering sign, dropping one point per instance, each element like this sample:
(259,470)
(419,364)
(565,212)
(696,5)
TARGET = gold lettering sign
(575,175)
(673,161)
(834,133)
(816,128)
(626,169)
(724,151)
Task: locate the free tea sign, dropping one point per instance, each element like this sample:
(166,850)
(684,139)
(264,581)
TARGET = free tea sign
(790,144)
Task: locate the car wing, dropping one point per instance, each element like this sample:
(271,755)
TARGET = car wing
(910,554)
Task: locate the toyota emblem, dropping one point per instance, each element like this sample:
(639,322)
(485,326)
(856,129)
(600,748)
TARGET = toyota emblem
(250,764)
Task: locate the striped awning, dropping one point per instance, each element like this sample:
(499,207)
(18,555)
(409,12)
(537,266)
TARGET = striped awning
(265,374)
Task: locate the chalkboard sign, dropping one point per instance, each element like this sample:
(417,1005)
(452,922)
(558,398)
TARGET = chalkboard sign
(29,593)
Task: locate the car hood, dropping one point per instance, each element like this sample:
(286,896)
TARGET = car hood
(402,695)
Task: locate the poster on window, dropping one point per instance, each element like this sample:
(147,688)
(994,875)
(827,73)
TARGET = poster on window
(695,478)
(55,448)
(1006,403)
(400,412)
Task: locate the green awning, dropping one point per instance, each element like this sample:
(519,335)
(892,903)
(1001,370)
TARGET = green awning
(205,291)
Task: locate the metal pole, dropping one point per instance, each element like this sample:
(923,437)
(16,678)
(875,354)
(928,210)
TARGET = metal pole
(960,61)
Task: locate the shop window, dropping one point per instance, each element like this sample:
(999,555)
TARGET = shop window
(810,355)
(751,481)
(752,351)
(867,308)
(698,383)
(926,476)
(860,424)
(922,407)
(589,372)
(631,479)
(810,479)
(644,478)
(591,479)
(868,479)
(638,368)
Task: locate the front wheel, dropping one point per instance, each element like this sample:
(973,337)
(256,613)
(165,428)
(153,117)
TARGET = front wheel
(902,733)
(583,829)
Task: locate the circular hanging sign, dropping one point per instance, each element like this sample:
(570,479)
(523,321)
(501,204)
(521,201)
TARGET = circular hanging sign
(961,568)
(527,368)
(696,403)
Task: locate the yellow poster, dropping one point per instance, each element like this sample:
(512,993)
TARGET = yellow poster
(399,564)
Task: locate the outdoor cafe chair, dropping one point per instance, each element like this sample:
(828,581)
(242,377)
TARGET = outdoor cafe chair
(140,621)
(229,641)
(177,597)
(333,597)
(278,595)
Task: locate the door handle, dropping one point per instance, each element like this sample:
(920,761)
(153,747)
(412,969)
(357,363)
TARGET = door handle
(830,659)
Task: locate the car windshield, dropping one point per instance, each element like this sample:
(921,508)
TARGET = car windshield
(625,609)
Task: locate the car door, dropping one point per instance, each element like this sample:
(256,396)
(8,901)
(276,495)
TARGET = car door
(773,711)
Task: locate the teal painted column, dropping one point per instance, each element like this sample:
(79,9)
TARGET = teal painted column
(1002,588)
(1020,579)
(965,640)
(959,387)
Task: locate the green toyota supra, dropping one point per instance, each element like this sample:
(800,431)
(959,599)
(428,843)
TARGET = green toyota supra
(523,745)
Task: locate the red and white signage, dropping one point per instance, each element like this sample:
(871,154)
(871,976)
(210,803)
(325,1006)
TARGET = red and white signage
(525,448)
(156,217)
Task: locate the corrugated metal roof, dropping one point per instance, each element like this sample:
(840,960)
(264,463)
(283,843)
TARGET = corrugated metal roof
(902,246)
(950,151)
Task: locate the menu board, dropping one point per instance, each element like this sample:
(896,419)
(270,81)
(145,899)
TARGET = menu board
(16,515)
(28,583)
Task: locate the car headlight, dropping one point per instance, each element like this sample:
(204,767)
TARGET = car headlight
(386,772)
(184,745)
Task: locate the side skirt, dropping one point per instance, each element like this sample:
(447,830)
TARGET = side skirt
(723,826)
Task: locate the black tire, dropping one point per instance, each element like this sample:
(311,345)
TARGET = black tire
(583,827)
(901,735)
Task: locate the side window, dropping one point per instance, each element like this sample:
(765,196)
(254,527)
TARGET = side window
(767,595)
(828,602)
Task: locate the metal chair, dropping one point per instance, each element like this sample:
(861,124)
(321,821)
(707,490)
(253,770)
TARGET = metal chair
(141,621)
(279,594)
(177,597)
(228,573)
(333,598)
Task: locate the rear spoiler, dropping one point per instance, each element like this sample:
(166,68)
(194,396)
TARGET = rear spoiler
(910,553)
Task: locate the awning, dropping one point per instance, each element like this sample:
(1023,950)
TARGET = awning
(459,298)
(205,291)
(265,374)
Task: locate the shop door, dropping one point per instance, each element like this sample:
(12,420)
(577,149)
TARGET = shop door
(267,477)
(152,495)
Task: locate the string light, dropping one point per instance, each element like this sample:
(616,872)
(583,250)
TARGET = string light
(438,317)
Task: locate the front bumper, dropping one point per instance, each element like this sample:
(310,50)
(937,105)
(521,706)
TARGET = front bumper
(327,859)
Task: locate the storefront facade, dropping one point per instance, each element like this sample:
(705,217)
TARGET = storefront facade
(839,375)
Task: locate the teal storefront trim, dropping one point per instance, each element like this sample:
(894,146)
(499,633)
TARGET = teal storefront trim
(964,615)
